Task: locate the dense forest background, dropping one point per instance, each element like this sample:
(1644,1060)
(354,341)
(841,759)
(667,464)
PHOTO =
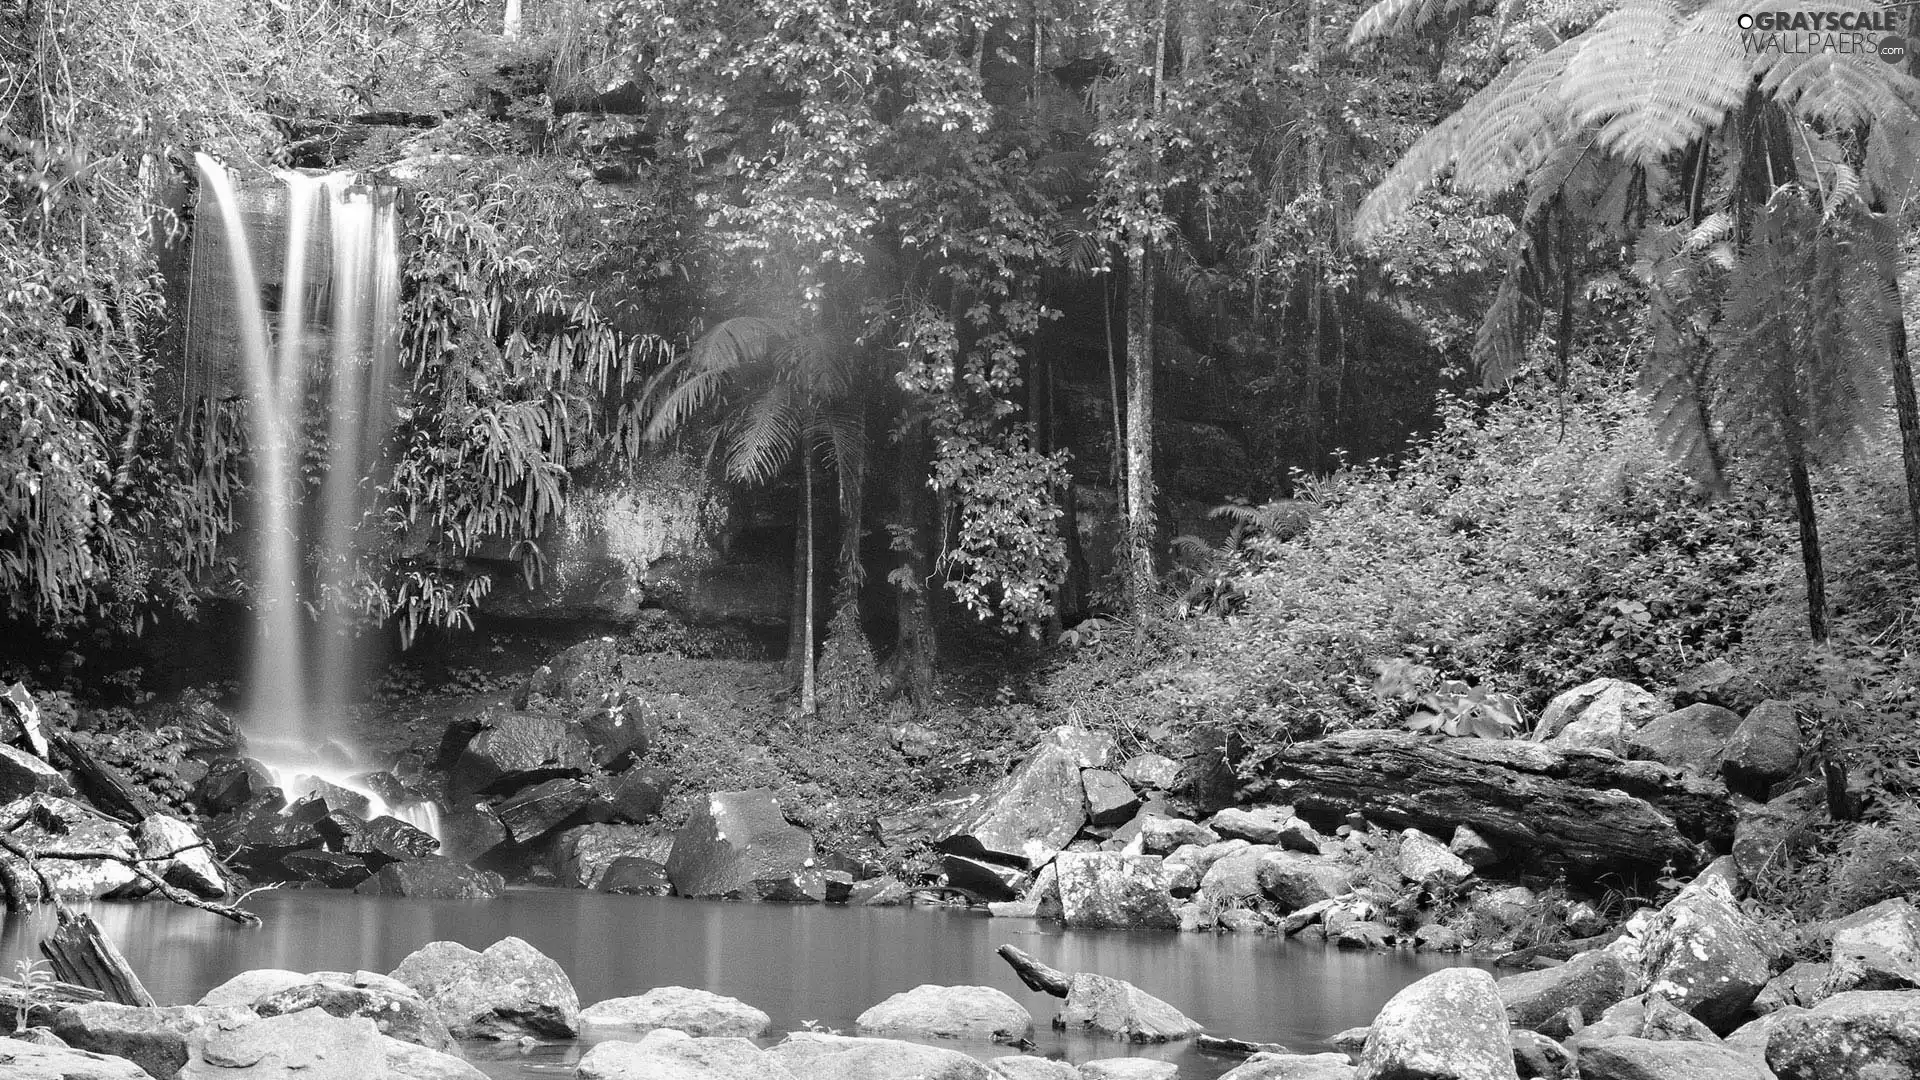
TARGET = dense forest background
(1262,368)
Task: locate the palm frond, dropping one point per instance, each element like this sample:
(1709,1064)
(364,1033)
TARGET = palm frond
(763,440)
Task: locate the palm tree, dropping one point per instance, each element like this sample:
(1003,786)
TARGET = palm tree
(779,395)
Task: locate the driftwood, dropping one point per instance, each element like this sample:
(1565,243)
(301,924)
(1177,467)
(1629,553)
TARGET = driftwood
(17,900)
(83,956)
(1584,809)
(1035,974)
(1219,1046)
(105,786)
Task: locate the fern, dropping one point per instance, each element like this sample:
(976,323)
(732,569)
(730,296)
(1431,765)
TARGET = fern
(1398,18)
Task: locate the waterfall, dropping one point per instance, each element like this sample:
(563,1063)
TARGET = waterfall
(301,670)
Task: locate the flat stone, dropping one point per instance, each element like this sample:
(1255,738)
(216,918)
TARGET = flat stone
(1857,1035)
(1151,771)
(411,1061)
(1128,1069)
(1234,879)
(582,855)
(1119,1009)
(22,1060)
(544,807)
(812,1056)
(1255,825)
(404,1015)
(1473,848)
(1702,953)
(1294,1067)
(1695,738)
(22,774)
(1601,714)
(1294,881)
(1644,1016)
(679,1008)
(635,877)
(1163,835)
(1877,948)
(305,1045)
(519,750)
(158,1040)
(1024,1067)
(948,1012)
(1804,984)
(250,986)
(433,878)
(1110,799)
(638,795)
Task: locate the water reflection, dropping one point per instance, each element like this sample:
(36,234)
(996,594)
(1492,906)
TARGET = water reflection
(801,964)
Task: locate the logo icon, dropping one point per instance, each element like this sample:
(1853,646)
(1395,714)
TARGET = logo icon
(1893,49)
(1745,21)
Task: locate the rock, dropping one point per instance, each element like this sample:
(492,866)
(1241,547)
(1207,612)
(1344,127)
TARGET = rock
(1691,738)
(1364,934)
(1163,835)
(1297,835)
(1346,910)
(232,784)
(1804,984)
(1294,1067)
(1764,749)
(24,1060)
(1536,1056)
(1752,1037)
(1644,1016)
(1022,1067)
(928,821)
(1110,799)
(52,827)
(1718,682)
(984,878)
(1857,1035)
(879,892)
(1875,949)
(1601,714)
(733,839)
(433,878)
(637,795)
(571,672)
(1503,911)
(1294,881)
(620,732)
(157,1040)
(1234,879)
(948,1012)
(665,1054)
(1425,862)
(307,1045)
(1109,890)
(636,877)
(1244,921)
(23,774)
(582,855)
(1472,848)
(1702,953)
(518,750)
(260,836)
(1350,1041)
(1119,1009)
(333,869)
(696,1012)
(1259,825)
(1768,835)
(1128,1069)
(1028,908)
(1450,1025)
(1628,1058)
(811,1056)
(250,986)
(1202,857)
(509,990)
(382,840)
(1034,813)
(469,832)
(544,807)
(1588,982)
(1584,920)
(179,855)
(411,1061)
(1151,771)
(404,1015)
(1435,937)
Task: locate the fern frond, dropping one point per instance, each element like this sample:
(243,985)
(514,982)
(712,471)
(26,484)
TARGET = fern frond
(1500,345)
(1653,81)
(1510,133)
(1400,18)
(1892,172)
(1836,90)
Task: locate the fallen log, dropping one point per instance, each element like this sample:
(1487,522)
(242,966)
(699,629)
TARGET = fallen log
(83,956)
(1221,1046)
(1579,809)
(104,786)
(1038,976)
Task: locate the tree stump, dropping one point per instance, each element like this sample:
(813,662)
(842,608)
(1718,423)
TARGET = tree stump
(83,956)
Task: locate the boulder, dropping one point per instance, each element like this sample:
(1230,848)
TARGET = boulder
(411,1061)
(1718,682)
(1693,738)
(1472,848)
(1364,934)
(57,829)
(1804,984)
(1626,1058)
(696,1012)
(948,1012)
(260,836)
(158,1040)
(471,831)
(1436,937)
(179,855)
(1428,864)
(1202,857)
(509,990)
(518,750)
(1764,750)
(23,774)
(1644,1016)
(620,732)
(1450,1025)
(379,841)
(233,783)
(1121,1010)
(1857,1035)
(1877,948)
(1256,825)
(544,807)
(1588,983)
(333,869)
(433,878)
(636,877)
(984,878)
(1601,714)
(1500,912)
(1752,1037)
(1023,1067)
(1153,771)
(1297,835)
(23,1060)
(1294,1067)
(1160,835)
(1294,881)
(582,855)
(571,672)
(879,892)
(1703,954)
(1234,879)
(1037,810)
(665,1054)
(1128,1069)
(733,839)
(812,1056)
(637,795)
(1110,890)
(306,1045)
(1110,799)
(402,1015)
(250,986)
(1539,1058)
(1766,836)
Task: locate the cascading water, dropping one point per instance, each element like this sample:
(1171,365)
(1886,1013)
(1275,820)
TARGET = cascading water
(301,671)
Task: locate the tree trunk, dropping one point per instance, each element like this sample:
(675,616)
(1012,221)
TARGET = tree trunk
(808,699)
(1809,539)
(1141,577)
(1908,410)
(797,606)
(915,641)
(83,956)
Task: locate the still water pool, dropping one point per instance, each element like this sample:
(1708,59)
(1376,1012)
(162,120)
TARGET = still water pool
(802,964)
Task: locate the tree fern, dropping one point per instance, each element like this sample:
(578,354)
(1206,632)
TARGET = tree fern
(1397,18)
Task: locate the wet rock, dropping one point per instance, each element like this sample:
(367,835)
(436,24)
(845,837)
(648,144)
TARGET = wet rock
(637,795)
(1163,835)
(179,855)
(1601,714)
(948,1012)
(1502,911)
(620,732)
(540,809)
(1858,1035)
(1428,864)
(1110,799)
(927,822)
(1121,1010)
(1628,1058)
(1804,984)
(811,1056)
(509,990)
(1034,813)
(1472,848)
(232,784)
(1877,948)
(1644,1016)
(798,887)
(309,792)
(733,839)
(582,855)
(1255,825)
(696,1012)
(306,1045)
(1294,881)
(260,837)
(1364,934)
(1702,953)
(1764,749)
(1022,1067)
(54,829)
(411,1061)
(433,878)
(1153,771)
(1114,891)
(1435,937)
(1294,1067)
(1450,1025)
(1128,1069)
(23,774)
(1691,738)
(250,986)
(517,750)
(879,892)
(377,842)
(333,869)
(988,880)
(635,877)
(469,832)
(24,1060)
(665,1054)
(157,1040)
(403,1015)
(1538,1057)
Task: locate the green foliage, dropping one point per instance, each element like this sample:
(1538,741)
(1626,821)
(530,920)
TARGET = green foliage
(1448,706)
